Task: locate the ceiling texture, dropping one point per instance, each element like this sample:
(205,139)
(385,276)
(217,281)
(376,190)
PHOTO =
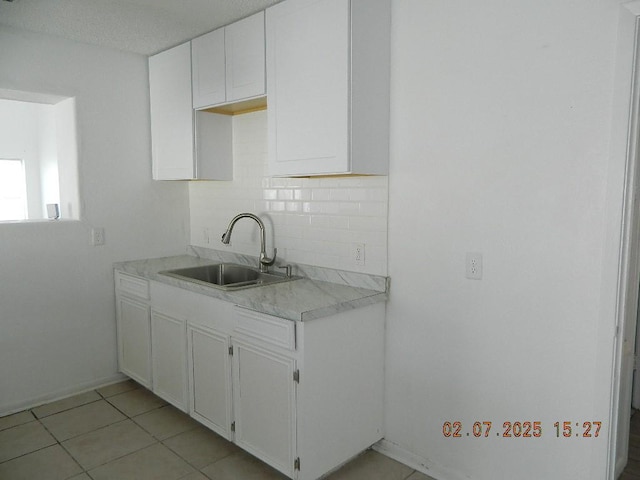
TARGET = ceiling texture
(140,26)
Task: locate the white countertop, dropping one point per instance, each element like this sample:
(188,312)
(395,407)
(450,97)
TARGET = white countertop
(303,299)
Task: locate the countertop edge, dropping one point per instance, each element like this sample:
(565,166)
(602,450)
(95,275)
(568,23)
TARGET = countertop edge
(344,306)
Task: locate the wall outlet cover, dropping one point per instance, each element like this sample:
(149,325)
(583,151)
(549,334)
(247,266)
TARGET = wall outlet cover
(97,236)
(474,266)
(357,253)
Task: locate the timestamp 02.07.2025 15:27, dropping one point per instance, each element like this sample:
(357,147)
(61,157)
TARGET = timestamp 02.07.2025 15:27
(522,429)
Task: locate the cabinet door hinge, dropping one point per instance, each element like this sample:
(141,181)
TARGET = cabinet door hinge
(231,350)
(296,464)
(296,376)
(233,426)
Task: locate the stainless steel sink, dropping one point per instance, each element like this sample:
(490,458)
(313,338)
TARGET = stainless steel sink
(227,276)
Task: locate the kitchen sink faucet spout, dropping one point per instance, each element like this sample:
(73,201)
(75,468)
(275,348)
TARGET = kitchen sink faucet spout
(265,262)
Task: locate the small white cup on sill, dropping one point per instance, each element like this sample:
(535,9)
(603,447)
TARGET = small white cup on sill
(53,211)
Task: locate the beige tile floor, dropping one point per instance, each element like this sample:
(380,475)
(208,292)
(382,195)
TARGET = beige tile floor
(124,432)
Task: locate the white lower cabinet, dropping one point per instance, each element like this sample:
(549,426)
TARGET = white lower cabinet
(210,379)
(304,397)
(169,355)
(134,328)
(134,352)
(241,388)
(169,345)
(264,398)
(152,338)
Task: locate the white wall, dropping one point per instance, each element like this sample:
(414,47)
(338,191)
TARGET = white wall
(501,116)
(57,319)
(314,221)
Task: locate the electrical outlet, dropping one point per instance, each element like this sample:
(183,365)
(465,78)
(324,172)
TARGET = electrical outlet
(97,236)
(357,253)
(474,266)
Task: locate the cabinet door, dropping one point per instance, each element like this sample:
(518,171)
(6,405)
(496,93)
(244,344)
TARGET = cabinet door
(264,405)
(245,58)
(171,114)
(210,379)
(134,340)
(169,354)
(208,59)
(308,87)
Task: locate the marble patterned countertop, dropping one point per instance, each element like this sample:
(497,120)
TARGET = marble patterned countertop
(300,300)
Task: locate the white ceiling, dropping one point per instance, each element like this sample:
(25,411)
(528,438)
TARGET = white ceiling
(140,26)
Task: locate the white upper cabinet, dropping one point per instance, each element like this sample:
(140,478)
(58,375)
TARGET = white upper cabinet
(245,47)
(185,145)
(208,66)
(328,87)
(229,63)
(172,123)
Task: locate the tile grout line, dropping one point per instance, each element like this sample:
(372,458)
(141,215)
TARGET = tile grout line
(60,442)
(57,443)
(187,461)
(115,458)
(28,453)
(36,418)
(151,435)
(37,449)
(64,410)
(127,417)
(18,425)
(118,458)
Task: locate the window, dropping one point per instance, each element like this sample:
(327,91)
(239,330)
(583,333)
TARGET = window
(13,190)
(38,156)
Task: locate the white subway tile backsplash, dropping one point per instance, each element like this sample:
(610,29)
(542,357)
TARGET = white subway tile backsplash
(277,206)
(373,209)
(302,194)
(285,194)
(320,194)
(329,221)
(299,220)
(294,207)
(339,194)
(270,194)
(312,207)
(311,220)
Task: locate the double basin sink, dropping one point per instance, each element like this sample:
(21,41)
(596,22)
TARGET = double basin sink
(227,276)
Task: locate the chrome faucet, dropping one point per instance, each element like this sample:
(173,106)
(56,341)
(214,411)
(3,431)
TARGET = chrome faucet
(265,262)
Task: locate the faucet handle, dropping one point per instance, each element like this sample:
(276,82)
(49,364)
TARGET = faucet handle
(288,268)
